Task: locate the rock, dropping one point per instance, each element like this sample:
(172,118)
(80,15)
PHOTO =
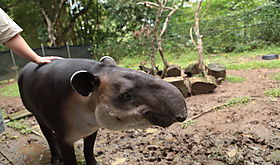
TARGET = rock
(231,153)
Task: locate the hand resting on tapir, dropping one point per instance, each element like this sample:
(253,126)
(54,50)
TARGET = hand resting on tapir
(72,98)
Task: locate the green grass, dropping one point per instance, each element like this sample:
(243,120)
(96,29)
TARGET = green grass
(255,64)
(4,82)
(185,125)
(230,60)
(20,126)
(276,76)
(10,90)
(273,92)
(235,79)
(237,101)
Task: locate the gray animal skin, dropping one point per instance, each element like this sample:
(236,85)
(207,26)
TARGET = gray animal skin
(72,98)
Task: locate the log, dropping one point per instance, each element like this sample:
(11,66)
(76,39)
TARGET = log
(202,85)
(19,115)
(217,70)
(179,82)
(192,69)
(173,71)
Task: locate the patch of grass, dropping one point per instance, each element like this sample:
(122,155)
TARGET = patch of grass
(235,79)
(230,60)
(254,65)
(237,101)
(185,125)
(273,92)
(10,90)
(276,76)
(20,126)
(3,82)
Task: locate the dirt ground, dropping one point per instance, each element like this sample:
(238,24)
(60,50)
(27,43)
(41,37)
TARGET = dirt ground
(245,134)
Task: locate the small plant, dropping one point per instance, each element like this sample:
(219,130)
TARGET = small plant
(235,79)
(237,101)
(10,90)
(273,92)
(185,125)
(20,126)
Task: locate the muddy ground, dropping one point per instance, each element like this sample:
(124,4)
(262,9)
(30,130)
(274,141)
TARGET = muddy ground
(244,134)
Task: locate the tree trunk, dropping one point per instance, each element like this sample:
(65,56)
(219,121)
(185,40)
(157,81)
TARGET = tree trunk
(157,38)
(199,38)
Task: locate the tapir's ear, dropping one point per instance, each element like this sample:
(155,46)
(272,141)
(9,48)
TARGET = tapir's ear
(84,83)
(108,60)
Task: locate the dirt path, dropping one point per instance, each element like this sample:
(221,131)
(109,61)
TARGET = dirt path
(246,134)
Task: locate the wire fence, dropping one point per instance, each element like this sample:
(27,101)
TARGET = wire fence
(11,64)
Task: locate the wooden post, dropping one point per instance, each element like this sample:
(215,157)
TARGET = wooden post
(43,51)
(68,50)
(14,63)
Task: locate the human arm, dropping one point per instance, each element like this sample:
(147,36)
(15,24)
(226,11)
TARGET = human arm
(21,48)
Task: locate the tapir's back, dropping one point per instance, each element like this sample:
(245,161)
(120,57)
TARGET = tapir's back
(43,88)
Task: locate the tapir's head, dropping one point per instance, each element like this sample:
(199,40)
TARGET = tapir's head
(126,98)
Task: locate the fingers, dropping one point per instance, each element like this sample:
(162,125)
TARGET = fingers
(47,59)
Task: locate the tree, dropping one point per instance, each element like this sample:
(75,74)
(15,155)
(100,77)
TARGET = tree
(158,34)
(199,38)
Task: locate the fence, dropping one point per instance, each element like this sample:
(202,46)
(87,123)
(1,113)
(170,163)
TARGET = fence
(10,64)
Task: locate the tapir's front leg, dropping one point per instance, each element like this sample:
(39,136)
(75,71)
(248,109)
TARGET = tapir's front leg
(68,152)
(56,157)
(89,149)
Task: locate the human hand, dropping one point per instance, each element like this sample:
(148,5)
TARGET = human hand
(46,59)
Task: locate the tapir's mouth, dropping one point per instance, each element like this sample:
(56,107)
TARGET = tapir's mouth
(163,120)
(159,120)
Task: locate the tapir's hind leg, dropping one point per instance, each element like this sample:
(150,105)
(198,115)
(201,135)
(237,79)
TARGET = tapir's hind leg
(89,149)
(56,157)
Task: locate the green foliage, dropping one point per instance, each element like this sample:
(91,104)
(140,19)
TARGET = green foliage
(20,126)
(108,26)
(32,32)
(234,79)
(10,90)
(273,92)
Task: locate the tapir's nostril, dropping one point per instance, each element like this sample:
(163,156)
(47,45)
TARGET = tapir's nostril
(180,118)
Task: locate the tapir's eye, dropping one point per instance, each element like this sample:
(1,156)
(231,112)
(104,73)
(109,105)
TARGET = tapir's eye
(127,96)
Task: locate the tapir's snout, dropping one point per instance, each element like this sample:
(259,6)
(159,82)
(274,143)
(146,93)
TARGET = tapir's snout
(182,116)
(169,105)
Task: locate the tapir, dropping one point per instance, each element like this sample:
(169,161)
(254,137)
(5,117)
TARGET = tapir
(72,98)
